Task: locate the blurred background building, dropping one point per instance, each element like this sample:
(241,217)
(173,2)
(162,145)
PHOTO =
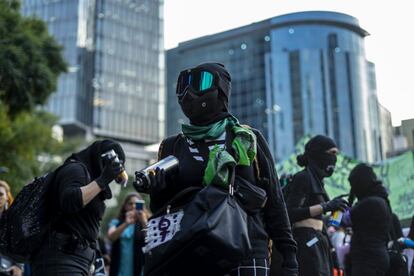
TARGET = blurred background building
(292,75)
(114,87)
(403,137)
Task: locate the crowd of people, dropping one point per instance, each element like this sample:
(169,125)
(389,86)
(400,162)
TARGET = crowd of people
(216,149)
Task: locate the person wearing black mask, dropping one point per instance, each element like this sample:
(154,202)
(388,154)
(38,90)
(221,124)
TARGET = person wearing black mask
(307,201)
(79,191)
(203,93)
(371,219)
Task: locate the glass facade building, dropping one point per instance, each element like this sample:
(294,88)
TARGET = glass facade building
(293,75)
(115,53)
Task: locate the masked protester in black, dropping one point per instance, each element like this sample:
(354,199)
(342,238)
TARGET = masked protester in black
(203,94)
(372,222)
(307,200)
(80,189)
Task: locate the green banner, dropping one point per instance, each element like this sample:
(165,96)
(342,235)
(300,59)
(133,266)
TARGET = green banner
(397,174)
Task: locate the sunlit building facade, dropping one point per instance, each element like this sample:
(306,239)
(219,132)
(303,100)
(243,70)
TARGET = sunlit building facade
(114,86)
(115,81)
(293,75)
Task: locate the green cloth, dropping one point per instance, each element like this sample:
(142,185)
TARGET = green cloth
(220,161)
(208,132)
(217,170)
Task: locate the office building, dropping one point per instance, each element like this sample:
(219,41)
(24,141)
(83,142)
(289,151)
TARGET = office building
(115,82)
(293,75)
(387,132)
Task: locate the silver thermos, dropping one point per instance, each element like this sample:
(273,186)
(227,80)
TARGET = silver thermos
(142,181)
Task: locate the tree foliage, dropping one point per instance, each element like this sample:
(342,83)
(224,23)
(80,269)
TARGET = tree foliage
(30,60)
(30,63)
(28,148)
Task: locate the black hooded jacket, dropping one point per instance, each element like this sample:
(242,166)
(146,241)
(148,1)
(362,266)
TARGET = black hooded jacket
(272,222)
(79,170)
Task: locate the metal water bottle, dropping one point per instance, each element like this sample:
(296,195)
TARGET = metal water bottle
(142,181)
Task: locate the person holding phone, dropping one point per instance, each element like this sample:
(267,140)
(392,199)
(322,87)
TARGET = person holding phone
(127,233)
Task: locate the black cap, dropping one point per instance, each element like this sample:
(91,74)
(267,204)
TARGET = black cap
(319,144)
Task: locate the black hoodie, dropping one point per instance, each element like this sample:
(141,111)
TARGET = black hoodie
(80,169)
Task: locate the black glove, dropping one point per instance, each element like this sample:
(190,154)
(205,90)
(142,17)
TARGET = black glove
(336,204)
(158,182)
(110,171)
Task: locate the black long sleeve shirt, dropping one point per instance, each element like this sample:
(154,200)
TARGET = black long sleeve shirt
(302,195)
(74,218)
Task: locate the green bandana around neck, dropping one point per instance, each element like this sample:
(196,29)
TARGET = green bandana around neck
(208,132)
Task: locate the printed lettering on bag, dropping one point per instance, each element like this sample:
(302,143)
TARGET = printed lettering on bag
(162,229)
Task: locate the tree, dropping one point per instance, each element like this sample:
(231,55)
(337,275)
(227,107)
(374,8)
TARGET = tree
(30,60)
(30,63)
(24,140)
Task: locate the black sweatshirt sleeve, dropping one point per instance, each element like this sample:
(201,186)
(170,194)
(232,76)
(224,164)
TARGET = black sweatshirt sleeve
(298,190)
(275,214)
(70,179)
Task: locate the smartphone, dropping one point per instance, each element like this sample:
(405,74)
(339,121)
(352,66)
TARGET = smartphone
(139,204)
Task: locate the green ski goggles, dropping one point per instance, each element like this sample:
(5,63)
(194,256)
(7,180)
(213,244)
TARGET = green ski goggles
(199,80)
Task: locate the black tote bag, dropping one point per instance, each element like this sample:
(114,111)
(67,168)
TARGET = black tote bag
(206,236)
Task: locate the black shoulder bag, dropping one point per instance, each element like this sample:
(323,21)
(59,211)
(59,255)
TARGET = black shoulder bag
(201,231)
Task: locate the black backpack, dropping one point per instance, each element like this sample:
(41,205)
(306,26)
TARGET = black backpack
(23,227)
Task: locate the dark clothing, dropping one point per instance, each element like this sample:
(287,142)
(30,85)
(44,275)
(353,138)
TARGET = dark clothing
(360,269)
(91,157)
(193,158)
(61,256)
(313,252)
(76,219)
(305,190)
(71,242)
(396,230)
(139,242)
(257,267)
(371,226)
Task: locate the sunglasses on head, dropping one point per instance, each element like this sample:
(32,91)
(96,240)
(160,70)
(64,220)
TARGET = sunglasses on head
(198,79)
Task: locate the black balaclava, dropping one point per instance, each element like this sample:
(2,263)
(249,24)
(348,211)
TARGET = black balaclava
(211,106)
(316,156)
(364,183)
(91,158)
